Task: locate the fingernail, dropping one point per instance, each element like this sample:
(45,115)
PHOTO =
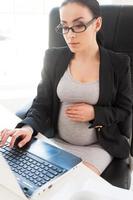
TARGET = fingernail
(20,145)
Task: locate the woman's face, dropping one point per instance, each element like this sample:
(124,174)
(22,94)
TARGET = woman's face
(73,14)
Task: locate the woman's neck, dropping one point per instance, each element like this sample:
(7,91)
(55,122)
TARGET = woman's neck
(88,54)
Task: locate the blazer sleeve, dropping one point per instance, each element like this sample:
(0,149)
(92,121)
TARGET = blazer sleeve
(122,108)
(40,112)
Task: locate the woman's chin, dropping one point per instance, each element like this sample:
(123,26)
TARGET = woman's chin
(74,50)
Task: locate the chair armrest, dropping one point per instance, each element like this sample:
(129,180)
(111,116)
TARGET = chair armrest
(118,173)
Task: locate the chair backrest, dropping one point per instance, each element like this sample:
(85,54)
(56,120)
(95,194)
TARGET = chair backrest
(117,32)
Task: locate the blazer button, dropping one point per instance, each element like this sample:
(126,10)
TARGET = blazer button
(98,127)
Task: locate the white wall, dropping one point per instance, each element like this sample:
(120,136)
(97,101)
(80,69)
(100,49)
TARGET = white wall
(23,40)
(122,2)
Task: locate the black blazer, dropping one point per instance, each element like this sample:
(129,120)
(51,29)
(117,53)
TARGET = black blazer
(114,107)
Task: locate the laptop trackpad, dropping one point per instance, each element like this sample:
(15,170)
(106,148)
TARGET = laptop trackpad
(53,154)
(43,149)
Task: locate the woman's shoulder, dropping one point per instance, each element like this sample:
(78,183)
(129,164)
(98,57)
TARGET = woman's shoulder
(118,57)
(119,61)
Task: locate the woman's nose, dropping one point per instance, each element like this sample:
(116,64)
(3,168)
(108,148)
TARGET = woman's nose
(71,34)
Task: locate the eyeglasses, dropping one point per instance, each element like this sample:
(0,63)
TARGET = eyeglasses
(81,27)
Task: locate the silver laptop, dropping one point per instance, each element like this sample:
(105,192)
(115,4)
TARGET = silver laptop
(38,163)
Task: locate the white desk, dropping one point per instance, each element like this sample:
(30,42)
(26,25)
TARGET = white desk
(78,184)
(7,119)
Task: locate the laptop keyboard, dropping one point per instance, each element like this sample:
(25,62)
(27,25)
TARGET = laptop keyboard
(31,167)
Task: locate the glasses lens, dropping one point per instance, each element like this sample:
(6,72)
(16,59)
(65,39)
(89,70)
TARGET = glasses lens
(79,28)
(61,29)
(65,29)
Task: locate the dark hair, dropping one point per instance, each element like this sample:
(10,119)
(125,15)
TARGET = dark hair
(94,7)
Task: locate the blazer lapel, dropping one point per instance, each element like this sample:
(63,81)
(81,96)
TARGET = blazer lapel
(105,78)
(62,63)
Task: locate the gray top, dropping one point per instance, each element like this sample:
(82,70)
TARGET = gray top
(72,91)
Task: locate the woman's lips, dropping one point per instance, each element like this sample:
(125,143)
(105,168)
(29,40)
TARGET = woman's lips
(73,43)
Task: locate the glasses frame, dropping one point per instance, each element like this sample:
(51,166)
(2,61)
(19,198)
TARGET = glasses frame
(86,25)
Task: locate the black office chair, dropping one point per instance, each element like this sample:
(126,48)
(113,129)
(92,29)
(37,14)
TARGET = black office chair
(118,36)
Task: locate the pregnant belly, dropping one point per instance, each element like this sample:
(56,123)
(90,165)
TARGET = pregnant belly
(76,133)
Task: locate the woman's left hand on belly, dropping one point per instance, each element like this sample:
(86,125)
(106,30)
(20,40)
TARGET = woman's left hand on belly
(81,112)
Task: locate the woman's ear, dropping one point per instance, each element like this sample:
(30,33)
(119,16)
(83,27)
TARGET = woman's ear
(98,24)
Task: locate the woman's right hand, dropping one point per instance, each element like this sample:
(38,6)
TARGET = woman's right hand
(25,133)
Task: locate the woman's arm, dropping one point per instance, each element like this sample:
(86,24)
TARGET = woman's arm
(41,109)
